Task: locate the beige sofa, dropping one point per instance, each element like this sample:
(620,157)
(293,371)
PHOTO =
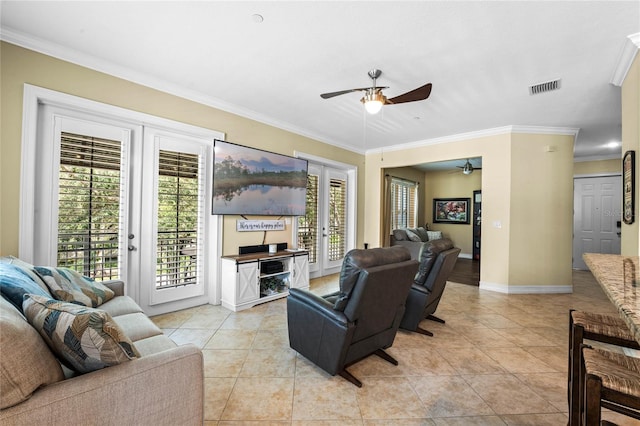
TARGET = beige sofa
(413,239)
(164,385)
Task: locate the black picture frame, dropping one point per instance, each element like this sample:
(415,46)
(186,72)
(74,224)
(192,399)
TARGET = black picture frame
(452,210)
(629,187)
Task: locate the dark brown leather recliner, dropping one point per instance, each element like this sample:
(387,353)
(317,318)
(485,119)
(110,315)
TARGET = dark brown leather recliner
(339,329)
(437,259)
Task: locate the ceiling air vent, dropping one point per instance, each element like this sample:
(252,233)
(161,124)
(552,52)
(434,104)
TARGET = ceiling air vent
(547,86)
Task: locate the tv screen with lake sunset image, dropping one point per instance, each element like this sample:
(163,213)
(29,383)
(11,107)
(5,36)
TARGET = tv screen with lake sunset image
(250,181)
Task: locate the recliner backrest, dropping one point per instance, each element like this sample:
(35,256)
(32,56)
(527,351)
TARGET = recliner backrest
(378,297)
(358,259)
(427,258)
(437,281)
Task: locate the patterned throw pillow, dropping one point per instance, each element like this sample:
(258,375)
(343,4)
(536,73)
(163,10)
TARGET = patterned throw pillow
(26,268)
(15,282)
(399,235)
(84,339)
(422,233)
(411,233)
(434,235)
(70,286)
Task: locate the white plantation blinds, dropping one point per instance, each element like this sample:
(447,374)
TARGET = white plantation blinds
(337,218)
(308,224)
(404,202)
(89,205)
(179,195)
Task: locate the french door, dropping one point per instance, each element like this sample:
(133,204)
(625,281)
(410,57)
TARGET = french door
(114,199)
(324,230)
(176,183)
(82,193)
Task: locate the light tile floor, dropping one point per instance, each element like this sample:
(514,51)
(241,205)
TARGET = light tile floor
(499,360)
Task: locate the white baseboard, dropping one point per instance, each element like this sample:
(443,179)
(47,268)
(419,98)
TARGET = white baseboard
(526,289)
(465,256)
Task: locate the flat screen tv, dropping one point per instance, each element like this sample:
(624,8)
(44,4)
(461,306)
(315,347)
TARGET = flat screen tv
(250,181)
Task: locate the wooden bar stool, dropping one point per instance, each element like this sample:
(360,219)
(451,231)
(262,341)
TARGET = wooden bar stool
(597,327)
(608,380)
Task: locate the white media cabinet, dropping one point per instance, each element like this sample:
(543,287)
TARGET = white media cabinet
(251,279)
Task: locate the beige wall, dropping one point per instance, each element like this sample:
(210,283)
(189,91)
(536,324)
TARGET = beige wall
(597,167)
(541,232)
(495,153)
(458,185)
(20,66)
(631,141)
(527,196)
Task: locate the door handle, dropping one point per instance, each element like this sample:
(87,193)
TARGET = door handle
(132,248)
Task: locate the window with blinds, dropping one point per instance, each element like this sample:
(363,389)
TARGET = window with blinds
(178,214)
(404,203)
(89,199)
(337,219)
(308,224)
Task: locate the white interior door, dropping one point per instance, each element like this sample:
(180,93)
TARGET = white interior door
(597,215)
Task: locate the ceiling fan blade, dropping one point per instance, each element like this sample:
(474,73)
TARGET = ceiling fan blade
(418,94)
(342,92)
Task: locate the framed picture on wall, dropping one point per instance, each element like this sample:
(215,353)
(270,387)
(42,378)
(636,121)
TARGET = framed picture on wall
(628,187)
(451,210)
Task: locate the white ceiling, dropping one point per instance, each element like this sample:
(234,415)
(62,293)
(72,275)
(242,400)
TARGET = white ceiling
(480,56)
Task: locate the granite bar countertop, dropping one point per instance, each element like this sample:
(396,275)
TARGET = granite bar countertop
(619,277)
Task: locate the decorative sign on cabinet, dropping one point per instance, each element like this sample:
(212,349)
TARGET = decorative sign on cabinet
(251,279)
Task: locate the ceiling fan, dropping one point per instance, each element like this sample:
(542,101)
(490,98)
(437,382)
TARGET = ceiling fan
(373,98)
(468,168)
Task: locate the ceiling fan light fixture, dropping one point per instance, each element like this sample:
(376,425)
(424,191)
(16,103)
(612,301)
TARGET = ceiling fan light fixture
(373,101)
(468,168)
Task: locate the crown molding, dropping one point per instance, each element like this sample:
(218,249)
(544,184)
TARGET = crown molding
(627,55)
(617,156)
(89,61)
(536,130)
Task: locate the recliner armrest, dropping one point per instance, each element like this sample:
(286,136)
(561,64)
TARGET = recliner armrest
(318,304)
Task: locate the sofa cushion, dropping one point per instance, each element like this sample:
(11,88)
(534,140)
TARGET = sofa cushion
(137,326)
(85,339)
(15,282)
(26,362)
(121,305)
(154,344)
(70,286)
